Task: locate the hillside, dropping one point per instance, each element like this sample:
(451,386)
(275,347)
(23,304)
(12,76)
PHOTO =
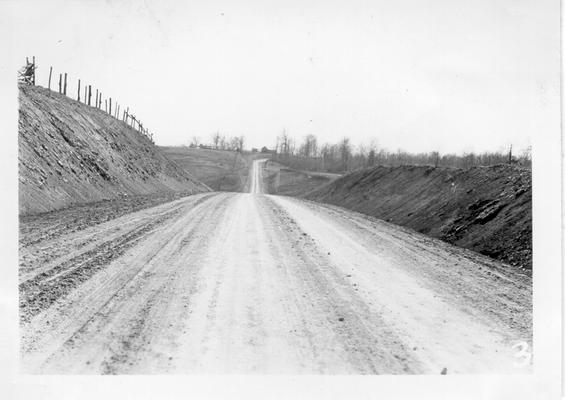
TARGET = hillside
(486,209)
(221,170)
(71,153)
(286,181)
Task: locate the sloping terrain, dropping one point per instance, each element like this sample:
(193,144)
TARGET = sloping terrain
(290,182)
(485,209)
(71,153)
(221,170)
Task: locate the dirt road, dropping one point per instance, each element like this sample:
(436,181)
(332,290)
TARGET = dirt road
(253,283)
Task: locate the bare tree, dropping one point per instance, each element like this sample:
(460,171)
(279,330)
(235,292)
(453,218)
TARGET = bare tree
(345,153)
(233,143)
(435,158)
(216,140)
(195,141)
(309,147)
(240,142)
(341,157)
(284,143)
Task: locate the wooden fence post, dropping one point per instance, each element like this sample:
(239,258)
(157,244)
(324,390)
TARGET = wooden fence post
(96,101)
(100,101)
(110,106)
(78,91)
(49,84)
(105,105)
(33,76)
(85,92)
(60,82)
(89,93)
(65,86)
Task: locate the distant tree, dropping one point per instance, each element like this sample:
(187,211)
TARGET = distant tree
(371,158)
(240,142)
(216,140)
(284,143)
(345,153)
(372,153)
(435,158)
(309,147)
(233,143)
(195,141)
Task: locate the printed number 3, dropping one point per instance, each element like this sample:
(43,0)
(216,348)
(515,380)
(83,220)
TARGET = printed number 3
(523,355)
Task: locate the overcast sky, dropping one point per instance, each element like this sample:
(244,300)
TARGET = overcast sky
(447,75)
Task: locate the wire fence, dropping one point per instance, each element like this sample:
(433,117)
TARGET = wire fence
(27,75)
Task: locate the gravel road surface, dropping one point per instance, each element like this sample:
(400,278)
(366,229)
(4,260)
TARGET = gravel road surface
(254,283)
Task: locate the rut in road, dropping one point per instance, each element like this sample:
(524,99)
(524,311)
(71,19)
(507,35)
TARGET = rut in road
(254,283)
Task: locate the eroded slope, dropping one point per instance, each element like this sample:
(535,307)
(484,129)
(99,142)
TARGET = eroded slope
(71,153)
(486,209)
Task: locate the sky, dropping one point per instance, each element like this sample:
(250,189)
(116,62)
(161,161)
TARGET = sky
(445,75)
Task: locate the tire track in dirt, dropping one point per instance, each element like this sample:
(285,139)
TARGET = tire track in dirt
(86,314)
(50,253)
(445,331)
(495,292)
(42,291)
(367,342)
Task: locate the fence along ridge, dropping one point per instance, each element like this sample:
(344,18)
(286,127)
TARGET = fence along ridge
(26,75)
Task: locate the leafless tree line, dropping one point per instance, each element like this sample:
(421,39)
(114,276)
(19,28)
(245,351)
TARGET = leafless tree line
(344,156)
(220,142)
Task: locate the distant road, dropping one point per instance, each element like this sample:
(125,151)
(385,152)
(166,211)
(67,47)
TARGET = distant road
(256,185)
(254,283)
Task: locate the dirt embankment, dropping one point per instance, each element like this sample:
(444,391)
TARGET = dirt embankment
(71,153)
(286,181)
(485,209)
